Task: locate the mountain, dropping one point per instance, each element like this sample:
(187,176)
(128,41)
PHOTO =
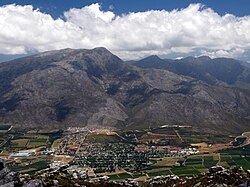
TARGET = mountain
(229,71)
(94,88)
(4,58)
(246,64)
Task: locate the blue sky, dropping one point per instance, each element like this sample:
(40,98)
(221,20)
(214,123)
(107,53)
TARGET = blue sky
(57,7)
(131,29)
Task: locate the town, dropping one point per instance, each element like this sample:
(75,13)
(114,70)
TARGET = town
(106,154)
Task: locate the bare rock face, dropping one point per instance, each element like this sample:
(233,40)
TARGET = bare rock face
(95,88)
(10,184)
(11,179)
(7,177)
(34,183)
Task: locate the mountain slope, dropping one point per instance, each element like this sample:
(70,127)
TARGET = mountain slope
(95,88)
(209,70)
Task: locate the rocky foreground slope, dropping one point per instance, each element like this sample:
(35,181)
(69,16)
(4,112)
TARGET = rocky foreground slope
(60,178)
(95,88)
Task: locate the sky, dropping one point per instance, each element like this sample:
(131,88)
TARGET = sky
(131,29)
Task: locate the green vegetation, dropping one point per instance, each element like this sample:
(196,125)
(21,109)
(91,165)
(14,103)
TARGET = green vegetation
(193,160)
(235,161)
(31,165)
(34,143)
(191,136)
(194,165)
(152,167)
(158,173)
(209,161)
(101,138)
(237,151)
(19,143)
(185,170)
(137,175)
(165,130)
(4,127)
(27,141)
(236,157)
(121,176)
(16,140)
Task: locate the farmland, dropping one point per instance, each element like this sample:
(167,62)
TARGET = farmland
(229,158)
(4,128)
(201,163)
(100,138)
(13,141)
(17,140)
(174,136)
(30,165)
(124,154)
(27,141)
(56,144)
(197,164)
(19,143)
(192,165)
(236,157)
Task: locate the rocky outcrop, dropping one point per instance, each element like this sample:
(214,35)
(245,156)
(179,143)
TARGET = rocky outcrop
(12,179)
(7,177)
(34,183)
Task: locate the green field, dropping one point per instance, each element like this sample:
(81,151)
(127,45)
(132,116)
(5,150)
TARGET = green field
(235,161)
(31,165)
(194,165)
(193,161)
(209,161)
(229,158)
(158,173)
(4,127)
(237,151)
(28,141)
(236,157)
(100,138)
(16,141)
(191,136)
(185,171)
(37,143)
(120,176)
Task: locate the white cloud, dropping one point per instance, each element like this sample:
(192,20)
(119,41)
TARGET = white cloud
(224,53)
(132,35)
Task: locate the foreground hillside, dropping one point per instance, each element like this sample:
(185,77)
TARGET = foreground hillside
(62,177)
(95,88)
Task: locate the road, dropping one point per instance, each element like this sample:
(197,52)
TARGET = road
(82,141)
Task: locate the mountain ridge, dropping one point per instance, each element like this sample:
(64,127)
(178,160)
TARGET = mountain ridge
(206,70)
(94,88)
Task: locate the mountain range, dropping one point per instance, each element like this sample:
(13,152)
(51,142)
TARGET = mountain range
(94,88)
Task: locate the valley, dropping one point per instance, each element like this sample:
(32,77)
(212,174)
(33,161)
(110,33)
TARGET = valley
(124,93)
(135,154)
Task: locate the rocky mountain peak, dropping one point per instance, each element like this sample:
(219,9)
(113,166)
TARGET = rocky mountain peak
(153,58)
(93,87)
(204,58)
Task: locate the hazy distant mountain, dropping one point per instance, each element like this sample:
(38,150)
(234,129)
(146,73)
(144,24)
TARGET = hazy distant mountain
(246,64)
(203,68)
(4,58)
(69,87)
